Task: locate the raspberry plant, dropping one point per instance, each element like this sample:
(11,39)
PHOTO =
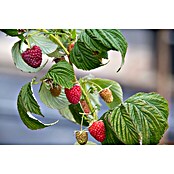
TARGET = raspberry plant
(141,119)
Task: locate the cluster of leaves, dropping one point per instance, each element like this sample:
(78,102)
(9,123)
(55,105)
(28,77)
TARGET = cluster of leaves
(141,119)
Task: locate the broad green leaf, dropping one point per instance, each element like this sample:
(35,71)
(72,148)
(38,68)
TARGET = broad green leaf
(93,44)
(115,88)
(51,101)
(84,58)
(153,99)
(123,125)
(61,73)
(27,105)
(47,46)
(111,38)
(149,112)
(66,113)
(111,136)
(19,62)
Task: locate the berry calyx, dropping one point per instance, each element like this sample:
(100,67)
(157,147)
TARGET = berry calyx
(55,90)
(85,106)
(73,94)
(97,130)
(81,137)
(106,95)
(33,56)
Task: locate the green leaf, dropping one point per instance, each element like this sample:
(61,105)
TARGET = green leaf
(61,73)
(83,58)
(149,112)
(111,136)
(66,113)
(51,101)
(72,113)
(76,110)
(26,105)
(93,44)
(115,88)
(10,32)
(56,53)
(123,125)
(19,62)
(47,46)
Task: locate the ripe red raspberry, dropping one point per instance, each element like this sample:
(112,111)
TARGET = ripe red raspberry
(97,130)
(73,94)
(106,95)
(33,56)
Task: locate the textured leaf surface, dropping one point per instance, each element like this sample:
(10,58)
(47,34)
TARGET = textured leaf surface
(93,44)
(19,62)
(149,112)
(123,125)
(27,105)
(111,136)
(61,73)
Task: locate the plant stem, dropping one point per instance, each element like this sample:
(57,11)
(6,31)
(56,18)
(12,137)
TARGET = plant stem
(89,103)
(56,40)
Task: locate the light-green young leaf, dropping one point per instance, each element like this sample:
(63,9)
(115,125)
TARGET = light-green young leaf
(27,105)
(46,97)
(47,46)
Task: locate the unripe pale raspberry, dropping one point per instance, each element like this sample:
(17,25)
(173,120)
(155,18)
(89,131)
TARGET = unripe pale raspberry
(106,95)
(56,90)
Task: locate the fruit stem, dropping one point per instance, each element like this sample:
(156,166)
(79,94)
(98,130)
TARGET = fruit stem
(55,39)
(100,88)
(28,43)
(59,43)
(84,91)
(81,123)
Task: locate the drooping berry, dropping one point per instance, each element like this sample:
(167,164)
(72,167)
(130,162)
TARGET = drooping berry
(97,130)
(55,90)
(73,94)
(81,137)
(85,106)
(33,56)
(106,95)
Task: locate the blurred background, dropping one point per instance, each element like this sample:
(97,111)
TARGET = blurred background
(148,67)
